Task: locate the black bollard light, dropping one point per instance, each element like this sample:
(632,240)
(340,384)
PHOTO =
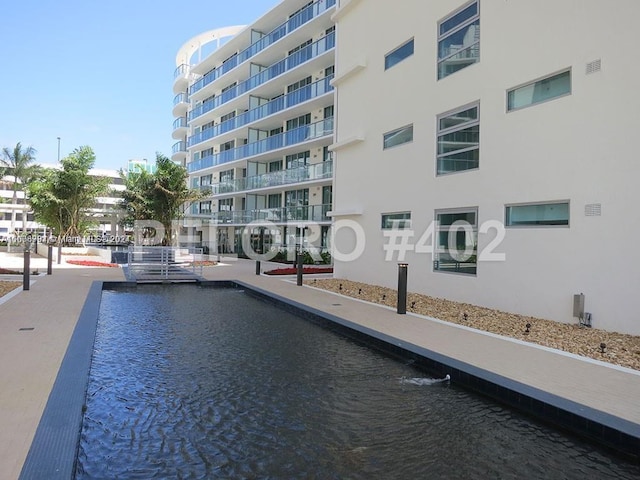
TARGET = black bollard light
(257,267)
(402,288)
(49,259)
(27,265)
(299,267)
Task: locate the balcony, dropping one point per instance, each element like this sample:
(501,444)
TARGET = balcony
(274,142)
(179,127)
(305,54)
(307,213)
(179,151)
(179,147)
(291,99)
(307,173)
(180,104)
(181,77)
(280,31)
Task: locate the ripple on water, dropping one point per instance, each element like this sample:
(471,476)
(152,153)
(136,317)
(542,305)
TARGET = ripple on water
(189,382)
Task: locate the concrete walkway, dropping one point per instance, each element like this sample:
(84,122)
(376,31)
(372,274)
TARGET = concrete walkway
(36,326)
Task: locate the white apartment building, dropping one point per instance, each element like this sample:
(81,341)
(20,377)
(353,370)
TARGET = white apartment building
(106,212)
(254,120)
(495,136)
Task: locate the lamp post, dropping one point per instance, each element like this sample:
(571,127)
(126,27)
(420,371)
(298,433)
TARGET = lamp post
(59,239)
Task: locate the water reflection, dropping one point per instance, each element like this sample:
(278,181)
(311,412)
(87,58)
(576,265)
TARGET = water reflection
(209,383)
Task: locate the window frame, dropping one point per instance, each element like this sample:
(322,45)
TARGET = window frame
(436,241)
(507,206)
(533,82)
(395,50)
(442,36)
(456,128)
(403,223)
(390,133)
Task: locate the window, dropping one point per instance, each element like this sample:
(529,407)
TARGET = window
(205,207)
(396,56)
(328,111)
(295,198)
(299,84)
(225,205)
(459,140)
(537,214)
(398,137)
(227,145)
(459,40)
(456,246)
(297,159)
(299,121)
(274,200)
(228,116)
(396,221)
(539,91)
(275,166)
(226,175)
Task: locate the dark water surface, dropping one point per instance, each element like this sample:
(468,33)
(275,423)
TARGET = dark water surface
(190,382)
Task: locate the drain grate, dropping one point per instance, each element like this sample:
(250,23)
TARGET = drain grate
(336,304)
(26,329)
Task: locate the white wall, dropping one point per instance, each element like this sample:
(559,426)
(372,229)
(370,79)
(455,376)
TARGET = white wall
(579,147)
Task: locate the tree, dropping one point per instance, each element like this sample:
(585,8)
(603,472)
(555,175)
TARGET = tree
(160,196)
(18,163)
(62,199)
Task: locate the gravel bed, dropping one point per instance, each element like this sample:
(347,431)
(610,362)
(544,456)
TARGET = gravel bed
(620,349)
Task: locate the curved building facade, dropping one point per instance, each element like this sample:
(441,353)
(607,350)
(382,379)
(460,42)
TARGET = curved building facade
(254,120)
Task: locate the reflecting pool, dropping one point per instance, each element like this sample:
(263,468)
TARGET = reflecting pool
(192,382)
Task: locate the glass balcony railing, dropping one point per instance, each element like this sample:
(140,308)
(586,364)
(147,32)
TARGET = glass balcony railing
(179,122)
(299,19)
(181,70)
(276,105)
(323,45)
(274,142)
(310,213)
(180,98)
(180,146)
(317,171)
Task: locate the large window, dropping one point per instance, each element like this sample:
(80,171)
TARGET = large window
(542,90)
(459,40)
(396,56)
(456,245)
(537,214)
(398,137)
(459,140)
(400,220)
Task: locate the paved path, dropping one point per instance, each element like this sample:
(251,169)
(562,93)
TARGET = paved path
(30,359)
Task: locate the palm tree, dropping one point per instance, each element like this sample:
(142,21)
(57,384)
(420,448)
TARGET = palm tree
(19,163)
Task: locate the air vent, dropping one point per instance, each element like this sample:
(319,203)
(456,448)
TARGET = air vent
(594,66)
(593,210)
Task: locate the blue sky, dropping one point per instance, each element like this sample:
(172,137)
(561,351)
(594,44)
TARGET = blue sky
(100,73)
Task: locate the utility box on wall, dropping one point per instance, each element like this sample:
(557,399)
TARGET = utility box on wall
(578,306)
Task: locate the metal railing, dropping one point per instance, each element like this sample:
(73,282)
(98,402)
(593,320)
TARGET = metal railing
(149,262)
(274,142)
(307,213)
(297,20)
(314,50)
(317,171)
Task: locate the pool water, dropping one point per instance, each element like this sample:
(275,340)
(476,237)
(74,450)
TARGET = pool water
(193,382)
